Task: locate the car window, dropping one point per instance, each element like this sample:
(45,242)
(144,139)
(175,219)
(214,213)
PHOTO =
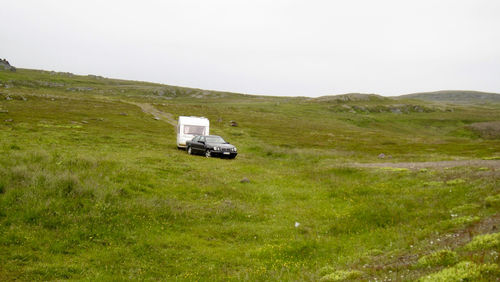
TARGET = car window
(215,139)
(201,139)
(196,138)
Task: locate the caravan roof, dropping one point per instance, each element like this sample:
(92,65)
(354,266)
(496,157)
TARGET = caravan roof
(193,120)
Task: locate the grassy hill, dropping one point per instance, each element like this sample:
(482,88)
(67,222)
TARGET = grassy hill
(92,187)
(455,96)
(352,97)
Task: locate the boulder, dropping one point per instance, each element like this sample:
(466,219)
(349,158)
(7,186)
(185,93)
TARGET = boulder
(396,111)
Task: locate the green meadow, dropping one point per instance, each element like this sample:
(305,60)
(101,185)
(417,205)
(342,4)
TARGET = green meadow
(93,188)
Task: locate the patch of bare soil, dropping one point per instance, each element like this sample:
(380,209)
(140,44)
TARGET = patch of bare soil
(494,164)
(488,130)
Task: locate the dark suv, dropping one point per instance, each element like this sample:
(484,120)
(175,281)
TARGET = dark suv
(211,146)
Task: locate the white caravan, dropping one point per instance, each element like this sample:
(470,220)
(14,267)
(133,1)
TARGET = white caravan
(188,127)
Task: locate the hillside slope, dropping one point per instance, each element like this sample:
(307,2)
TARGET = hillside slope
(92,186)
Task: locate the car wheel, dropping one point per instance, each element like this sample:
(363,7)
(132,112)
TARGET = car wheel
(189,151)
(207,154)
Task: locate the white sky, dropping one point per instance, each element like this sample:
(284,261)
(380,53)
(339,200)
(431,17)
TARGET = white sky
(307,48)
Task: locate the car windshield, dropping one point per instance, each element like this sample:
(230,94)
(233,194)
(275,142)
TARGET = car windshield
(194,129)
(215,139)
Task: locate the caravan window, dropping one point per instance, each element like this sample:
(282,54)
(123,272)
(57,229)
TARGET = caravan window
(194,129)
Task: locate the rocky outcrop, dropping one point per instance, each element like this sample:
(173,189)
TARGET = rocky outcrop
(5,65)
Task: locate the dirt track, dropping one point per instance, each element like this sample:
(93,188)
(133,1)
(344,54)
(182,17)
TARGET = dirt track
(441,164)
(157,114)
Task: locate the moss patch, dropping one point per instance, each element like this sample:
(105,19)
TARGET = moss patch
(342,275)
(464,271)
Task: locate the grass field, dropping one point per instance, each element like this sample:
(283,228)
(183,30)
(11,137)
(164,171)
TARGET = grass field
(93,188)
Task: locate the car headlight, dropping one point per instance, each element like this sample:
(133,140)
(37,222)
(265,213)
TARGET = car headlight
(216,148)
(234,149)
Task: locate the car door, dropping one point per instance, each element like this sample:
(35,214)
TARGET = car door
(200,145)
(193,142)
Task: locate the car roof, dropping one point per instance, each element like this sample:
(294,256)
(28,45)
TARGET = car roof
(208,136)
(200,121)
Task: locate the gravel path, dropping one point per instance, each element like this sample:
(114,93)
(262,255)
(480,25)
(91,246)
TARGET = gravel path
(441,164)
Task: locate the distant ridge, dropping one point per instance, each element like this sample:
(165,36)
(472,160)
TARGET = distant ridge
(352,97)
(455,96)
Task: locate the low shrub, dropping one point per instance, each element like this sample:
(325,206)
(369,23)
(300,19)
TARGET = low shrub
(433,183)
(326,270)
(465,208)
(15,147)
(439,258)
(491,158)
(492,201)
(484,242)
(455,181)
(464,220)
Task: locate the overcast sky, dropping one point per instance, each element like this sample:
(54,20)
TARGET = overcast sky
(307,48)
